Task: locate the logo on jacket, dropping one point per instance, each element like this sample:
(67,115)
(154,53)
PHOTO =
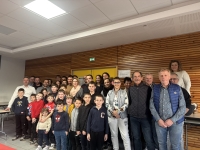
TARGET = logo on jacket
(102,115)
(175,92)
(19,103)
(57,118)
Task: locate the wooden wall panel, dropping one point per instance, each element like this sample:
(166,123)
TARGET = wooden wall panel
(147,57)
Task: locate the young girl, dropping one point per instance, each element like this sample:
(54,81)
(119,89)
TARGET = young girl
(82,120)
(69,105)
(42,129)
(74,139)
(44,92)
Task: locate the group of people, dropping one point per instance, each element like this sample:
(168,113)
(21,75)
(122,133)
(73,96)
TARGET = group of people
(71,116)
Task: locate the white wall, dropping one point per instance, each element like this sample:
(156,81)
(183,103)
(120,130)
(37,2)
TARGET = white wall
(11,76)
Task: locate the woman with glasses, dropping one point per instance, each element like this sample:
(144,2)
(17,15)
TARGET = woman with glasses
(184,78)
(117,103)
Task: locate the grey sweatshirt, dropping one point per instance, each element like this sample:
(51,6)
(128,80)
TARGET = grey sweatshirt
(74,116)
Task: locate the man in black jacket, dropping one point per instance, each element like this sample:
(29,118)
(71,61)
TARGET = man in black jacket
(140,115)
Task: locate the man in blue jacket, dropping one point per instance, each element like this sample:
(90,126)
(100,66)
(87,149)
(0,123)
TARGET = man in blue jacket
(168,107)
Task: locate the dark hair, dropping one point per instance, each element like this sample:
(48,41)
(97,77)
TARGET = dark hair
(116,78)
(37,77)
(45,109)
(50,80)
(21,89)
(78,99)
(92,82)
(61,90)
(127,79)
(99,95)
(33,95)
(32,76)
(44,89)
(59,102)
(41,93)
(63,85)
(106,73)
(90,75)
(58,76)
(50,95)
(109,79)
(70,76)
(138,72)
(54,85)
(75,76)
(45,80)
(86,94)
(179,65)
(26,77)
(101,79)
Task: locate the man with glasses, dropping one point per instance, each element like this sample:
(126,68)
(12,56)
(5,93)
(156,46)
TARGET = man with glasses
(140,115)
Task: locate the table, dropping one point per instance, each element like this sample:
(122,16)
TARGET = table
(193,119)
(2,113)
(3,104)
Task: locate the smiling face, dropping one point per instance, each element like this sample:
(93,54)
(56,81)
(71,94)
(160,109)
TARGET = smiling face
(174,66)
(98,101)
(149,79)
(87,98)
(164,77)
(117,83)
(107,83)
(137,78)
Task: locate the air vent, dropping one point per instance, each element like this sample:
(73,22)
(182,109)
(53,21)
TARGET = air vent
(5,30)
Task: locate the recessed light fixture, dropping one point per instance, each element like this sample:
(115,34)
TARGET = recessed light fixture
(45,8)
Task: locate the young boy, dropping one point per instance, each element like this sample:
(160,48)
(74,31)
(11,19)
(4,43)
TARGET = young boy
(61,96)
(35,113)
(82,120)
(93,93)
(74,139)
(54,89)
(42,129)
(69,105)
(60,126)
(19,107)
(97,124)
(28,114)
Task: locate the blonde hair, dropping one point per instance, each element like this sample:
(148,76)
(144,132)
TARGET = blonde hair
(76,80)
(164,69)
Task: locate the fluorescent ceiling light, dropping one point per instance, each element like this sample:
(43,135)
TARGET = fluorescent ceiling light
(45,8)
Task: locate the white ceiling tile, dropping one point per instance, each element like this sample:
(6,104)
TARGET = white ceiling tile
(178,1)
(70,5)
(21,2)
(90,15)
(190,27)
(119,10)
(48,26)
(143,6)
(7,6)
(161,24)
(26,16)
(70,23)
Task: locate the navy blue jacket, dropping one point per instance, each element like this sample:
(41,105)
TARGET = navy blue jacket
(19,106)
(60,121)
(174,98)
(97,120)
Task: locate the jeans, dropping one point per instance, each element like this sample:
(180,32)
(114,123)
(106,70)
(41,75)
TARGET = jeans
(145,124)
(42,136)
(175,133)
(61,140)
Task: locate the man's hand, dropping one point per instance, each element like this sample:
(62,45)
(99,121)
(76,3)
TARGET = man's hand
(78,132)
(46,132)
(83,132)
(33,120)
(162,123)
(37,130)
(88,137)
(53,132)
(105,137)
(66,133)
(28,118)
(168,122)
(7,109)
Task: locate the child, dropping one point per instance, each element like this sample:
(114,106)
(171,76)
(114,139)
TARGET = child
(28,114)
(54,89)
(61,96)
(60,126)
(82,120)
(69,105)
(19,107)
(36,109)
(74,139)
(97,124)
(42,129)
(93,93)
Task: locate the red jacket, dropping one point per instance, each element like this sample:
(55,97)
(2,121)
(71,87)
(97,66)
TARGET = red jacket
(36,108)
(50,106)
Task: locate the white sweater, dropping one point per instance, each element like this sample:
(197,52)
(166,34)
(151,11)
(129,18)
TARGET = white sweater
(45,125)
(184,80)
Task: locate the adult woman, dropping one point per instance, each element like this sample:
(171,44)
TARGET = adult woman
(45,93)
(99,82)
(117,103)
(107,87)
(58,83)
(184,78)
(105,75)
(76,91)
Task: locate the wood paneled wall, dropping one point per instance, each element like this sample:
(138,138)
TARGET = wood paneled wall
(147,56)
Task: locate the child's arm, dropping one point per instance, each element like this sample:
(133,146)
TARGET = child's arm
(88,125)
(78,124)
(48,125)
(106,128)
(44,119)
(125,106)
(67,124)
(52,124)
(37,127)
(85,124)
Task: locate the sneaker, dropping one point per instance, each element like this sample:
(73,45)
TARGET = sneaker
(39,148)
(52,146)
(16,137)
(46,148)
(31,142)
(22,138)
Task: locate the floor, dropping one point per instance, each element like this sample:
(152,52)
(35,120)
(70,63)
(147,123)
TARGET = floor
(9,128)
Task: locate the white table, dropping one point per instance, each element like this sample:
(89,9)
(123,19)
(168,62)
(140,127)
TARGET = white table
(193,119)
(2,114)
(3,104)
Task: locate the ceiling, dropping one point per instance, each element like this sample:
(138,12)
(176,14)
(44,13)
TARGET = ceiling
(92,24)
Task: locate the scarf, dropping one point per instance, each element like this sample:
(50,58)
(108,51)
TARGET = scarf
(75,90)
(106,90)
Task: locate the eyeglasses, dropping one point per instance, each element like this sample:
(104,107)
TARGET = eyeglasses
(173,79)
(117,82)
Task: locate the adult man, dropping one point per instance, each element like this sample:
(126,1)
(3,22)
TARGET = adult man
(69,84)
(167,106)
(140,115)
(45,85)
(31,80)
(149,79)
(89,78)
(28,90)
(127,83)
(37,83)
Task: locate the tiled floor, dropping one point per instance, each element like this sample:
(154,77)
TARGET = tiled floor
(9,128)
